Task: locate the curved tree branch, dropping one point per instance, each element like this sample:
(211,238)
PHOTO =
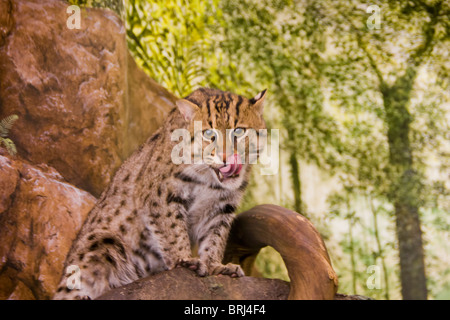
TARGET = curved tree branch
(297,241)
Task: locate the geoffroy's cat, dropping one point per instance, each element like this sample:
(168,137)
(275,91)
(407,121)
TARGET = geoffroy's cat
(154,211)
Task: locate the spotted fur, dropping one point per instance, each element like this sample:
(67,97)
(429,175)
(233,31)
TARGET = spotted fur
(154,211)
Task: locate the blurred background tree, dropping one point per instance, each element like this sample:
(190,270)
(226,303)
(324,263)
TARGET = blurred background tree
(170,40)
(388,64)
(360,93)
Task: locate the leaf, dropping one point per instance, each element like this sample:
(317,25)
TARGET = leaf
(9,145)
(6,124)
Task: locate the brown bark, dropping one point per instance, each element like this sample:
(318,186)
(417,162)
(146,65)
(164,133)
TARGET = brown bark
(183,284)
(297,241)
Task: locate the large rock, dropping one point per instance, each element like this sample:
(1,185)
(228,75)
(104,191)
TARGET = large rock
(83,107)
(82,102)
(40,215)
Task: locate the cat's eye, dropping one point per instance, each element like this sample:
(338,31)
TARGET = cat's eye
(209,135)
(238,132)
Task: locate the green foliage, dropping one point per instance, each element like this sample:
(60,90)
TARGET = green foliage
(270,263)
(267,38)
(389,65)
(336,90)
(6,125)
(115,5)
(168,39)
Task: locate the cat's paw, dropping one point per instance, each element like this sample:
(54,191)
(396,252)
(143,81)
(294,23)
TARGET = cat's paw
(194,264)
(232,270)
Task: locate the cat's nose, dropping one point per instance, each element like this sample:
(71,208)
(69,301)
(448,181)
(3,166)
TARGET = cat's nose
(230,158)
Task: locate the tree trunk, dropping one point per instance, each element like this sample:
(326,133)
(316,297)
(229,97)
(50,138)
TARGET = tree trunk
(296,182)
(412,267)
(405,189)
(405,182)
(295,238)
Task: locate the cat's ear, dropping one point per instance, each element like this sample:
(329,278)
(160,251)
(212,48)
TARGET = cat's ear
(258,101)
(187,109)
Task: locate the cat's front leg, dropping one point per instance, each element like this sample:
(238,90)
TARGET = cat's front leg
(194,264)
(212,246)
(229,269)
(168,233)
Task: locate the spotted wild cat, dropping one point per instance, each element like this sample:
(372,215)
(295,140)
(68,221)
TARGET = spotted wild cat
(154,211)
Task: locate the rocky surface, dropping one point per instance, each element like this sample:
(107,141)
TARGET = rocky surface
(40,215)
(83,107)
(82,102)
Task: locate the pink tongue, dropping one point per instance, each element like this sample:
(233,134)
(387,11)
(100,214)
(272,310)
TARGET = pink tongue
(234,166)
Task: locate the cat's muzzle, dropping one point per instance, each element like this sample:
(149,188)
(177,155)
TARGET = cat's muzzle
(230,169)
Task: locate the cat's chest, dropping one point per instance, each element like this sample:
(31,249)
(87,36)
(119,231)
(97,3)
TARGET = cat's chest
(205,197)
(206,202)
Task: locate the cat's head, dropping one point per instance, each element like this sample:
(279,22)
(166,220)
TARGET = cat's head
(229,136)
